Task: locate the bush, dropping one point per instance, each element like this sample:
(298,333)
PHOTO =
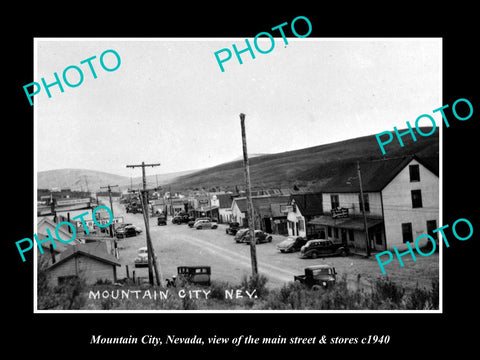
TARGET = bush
(423,299)
(256,282)
(385,289)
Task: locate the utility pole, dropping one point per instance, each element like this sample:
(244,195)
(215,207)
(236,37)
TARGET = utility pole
(253,250)
(112,228)
(150,251)
(367,246)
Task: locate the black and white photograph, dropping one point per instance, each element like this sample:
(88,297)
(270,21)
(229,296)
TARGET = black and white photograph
(297,182)
(155,132)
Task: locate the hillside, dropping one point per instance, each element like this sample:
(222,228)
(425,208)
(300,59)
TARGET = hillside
(81,179)
(312,166)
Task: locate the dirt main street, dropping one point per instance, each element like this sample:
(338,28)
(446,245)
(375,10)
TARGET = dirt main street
(177,245)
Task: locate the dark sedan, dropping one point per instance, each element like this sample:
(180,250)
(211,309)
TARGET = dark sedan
(243,236)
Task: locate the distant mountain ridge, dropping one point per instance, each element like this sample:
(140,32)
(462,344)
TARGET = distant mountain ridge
(83,179)
(311,167)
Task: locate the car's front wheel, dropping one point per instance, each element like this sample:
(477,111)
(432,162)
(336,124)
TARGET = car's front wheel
(314,255)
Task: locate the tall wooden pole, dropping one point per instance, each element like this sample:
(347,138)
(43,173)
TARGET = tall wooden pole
(108,187)
(150,251)
(151,260)
(367,246)
(253,250)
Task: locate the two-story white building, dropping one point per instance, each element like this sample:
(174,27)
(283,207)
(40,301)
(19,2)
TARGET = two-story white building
(401,199)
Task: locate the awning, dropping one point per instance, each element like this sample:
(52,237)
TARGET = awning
(345,223)
(206,208)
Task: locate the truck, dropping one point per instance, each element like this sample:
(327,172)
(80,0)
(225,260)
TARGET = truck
(318,276)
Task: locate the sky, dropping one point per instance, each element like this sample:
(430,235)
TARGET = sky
(169,103)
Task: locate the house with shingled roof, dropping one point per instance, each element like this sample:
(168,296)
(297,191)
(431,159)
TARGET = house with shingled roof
(91,262)
(265,218)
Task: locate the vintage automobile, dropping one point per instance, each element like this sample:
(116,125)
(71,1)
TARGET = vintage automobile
(321,248)
(232,228)
(134,208)
(204,224)
(127,231)
(291,244)
(192,220)
(191,274)
(317,276)
(180,219)
(243,236)
(161,220)
(142,257)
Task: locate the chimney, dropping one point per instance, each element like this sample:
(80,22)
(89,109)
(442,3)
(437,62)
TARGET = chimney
(52,254)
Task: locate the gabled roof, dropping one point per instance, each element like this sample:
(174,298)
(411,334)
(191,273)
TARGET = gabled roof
(261,202)
(309,204)
(48,223)
(95,251)
(375,175)
(225,201)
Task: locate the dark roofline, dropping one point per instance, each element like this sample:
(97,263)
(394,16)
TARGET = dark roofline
(76,251)
(405,160)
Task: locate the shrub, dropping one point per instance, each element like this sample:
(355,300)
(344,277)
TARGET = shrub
(423,299)
(385,289)
(255,282)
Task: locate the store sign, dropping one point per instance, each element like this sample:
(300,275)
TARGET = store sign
(73,201)
(339,213)
(91,224)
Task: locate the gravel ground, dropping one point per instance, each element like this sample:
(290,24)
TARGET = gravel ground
(177,245)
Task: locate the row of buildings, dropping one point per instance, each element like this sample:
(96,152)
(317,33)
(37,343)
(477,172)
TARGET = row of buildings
(400,199)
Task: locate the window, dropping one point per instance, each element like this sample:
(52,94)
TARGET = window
(301,225)
(432,225)
(335,202)
(416,198)
(329,231)
(335,233)
(414,173)
(407,232)
(365,200)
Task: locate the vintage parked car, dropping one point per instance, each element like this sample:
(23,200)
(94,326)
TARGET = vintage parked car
(191,274)
(291,244)
(134,208)
(192,220)
(243,236)
(142,258)
(321,247)
(161,220)
(180,219)
(232,228)
(127,231)
(204,224)
(317,276)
